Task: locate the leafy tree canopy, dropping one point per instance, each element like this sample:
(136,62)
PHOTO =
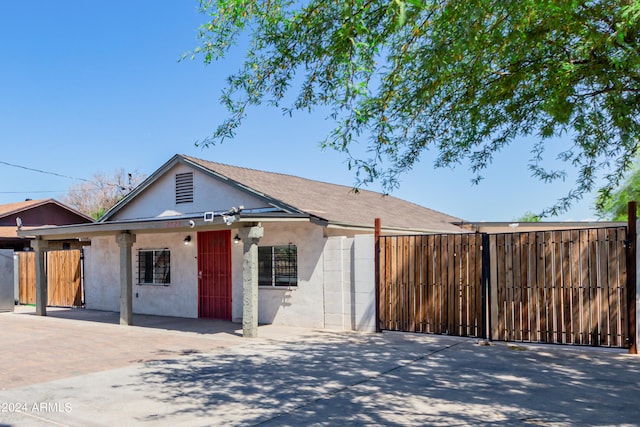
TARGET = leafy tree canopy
(614,205)
(460,79)
(528,217)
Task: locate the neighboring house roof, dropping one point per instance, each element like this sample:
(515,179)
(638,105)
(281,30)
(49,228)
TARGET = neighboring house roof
(330,203)
(9,209)
(42,212)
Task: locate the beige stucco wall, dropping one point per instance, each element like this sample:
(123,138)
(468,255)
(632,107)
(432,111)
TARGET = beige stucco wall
(101,274)
(179,298)
(298,306)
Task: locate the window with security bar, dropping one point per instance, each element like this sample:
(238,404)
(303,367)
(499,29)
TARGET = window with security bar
(154,267)
(278,265)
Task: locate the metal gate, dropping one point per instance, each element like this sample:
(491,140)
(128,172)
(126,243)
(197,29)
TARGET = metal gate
(214,274)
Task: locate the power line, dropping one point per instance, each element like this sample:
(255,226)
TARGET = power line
(45,172)
(31,192)
(119,186)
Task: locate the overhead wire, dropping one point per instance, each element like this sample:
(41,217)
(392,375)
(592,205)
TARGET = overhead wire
(45,172)
(55,174)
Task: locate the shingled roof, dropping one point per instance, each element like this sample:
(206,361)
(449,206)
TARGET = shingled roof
(336,204)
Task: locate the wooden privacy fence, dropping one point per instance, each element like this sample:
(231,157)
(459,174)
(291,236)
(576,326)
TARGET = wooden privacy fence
(64,287)
(431,284)
(564,287)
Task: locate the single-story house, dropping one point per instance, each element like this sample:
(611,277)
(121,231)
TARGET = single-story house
(204,239)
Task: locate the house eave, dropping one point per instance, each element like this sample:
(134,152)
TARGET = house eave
(152,225)
(389,229)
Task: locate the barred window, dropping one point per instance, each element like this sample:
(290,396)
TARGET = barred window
(154,267)
(278,265)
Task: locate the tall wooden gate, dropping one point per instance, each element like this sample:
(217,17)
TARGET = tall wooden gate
(564,287)
(64,284)
(432,284)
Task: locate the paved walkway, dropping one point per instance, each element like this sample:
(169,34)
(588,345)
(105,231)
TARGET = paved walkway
(166,371)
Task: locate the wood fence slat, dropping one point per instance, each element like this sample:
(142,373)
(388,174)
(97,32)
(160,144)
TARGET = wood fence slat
(480,321)
(509,290)
(451,285)
(584,287)
(521,258)
(383,267)
(557,288)
(602,291)
(566,285)
(473,283)
(441,270)
(516,260)
(410,244)
(462,259)
(393,284)
(424,288)
(457,273)
(502,298)
(429,259)
(593,288)
(547,311)
(622,290)
(612,290)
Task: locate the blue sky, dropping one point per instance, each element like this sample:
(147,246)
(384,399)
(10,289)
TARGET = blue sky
(90,86)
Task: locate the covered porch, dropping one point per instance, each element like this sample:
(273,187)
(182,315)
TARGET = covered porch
(125,233)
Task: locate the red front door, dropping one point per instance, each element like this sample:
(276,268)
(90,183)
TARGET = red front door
(214,274)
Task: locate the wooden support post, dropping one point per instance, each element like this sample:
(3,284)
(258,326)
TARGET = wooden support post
(631,276)
(376,263)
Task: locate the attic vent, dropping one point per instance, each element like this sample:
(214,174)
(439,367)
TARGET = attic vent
(184,187)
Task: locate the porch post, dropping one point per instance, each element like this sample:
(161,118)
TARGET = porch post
(40,247)
(250,237)
(125,241)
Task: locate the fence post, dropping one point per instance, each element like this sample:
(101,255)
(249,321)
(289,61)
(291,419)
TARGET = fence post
(376,263)
(631,276)
(486,288)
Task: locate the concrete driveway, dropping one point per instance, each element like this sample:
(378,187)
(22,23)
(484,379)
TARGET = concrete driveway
(61,370)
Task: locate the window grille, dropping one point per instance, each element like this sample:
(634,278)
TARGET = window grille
(278,265)
(154,267)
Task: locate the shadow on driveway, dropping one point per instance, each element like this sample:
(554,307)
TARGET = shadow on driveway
(303,377)
(398,379)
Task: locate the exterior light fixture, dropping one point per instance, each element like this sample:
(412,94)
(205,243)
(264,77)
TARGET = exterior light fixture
(187,240)
(237,239)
